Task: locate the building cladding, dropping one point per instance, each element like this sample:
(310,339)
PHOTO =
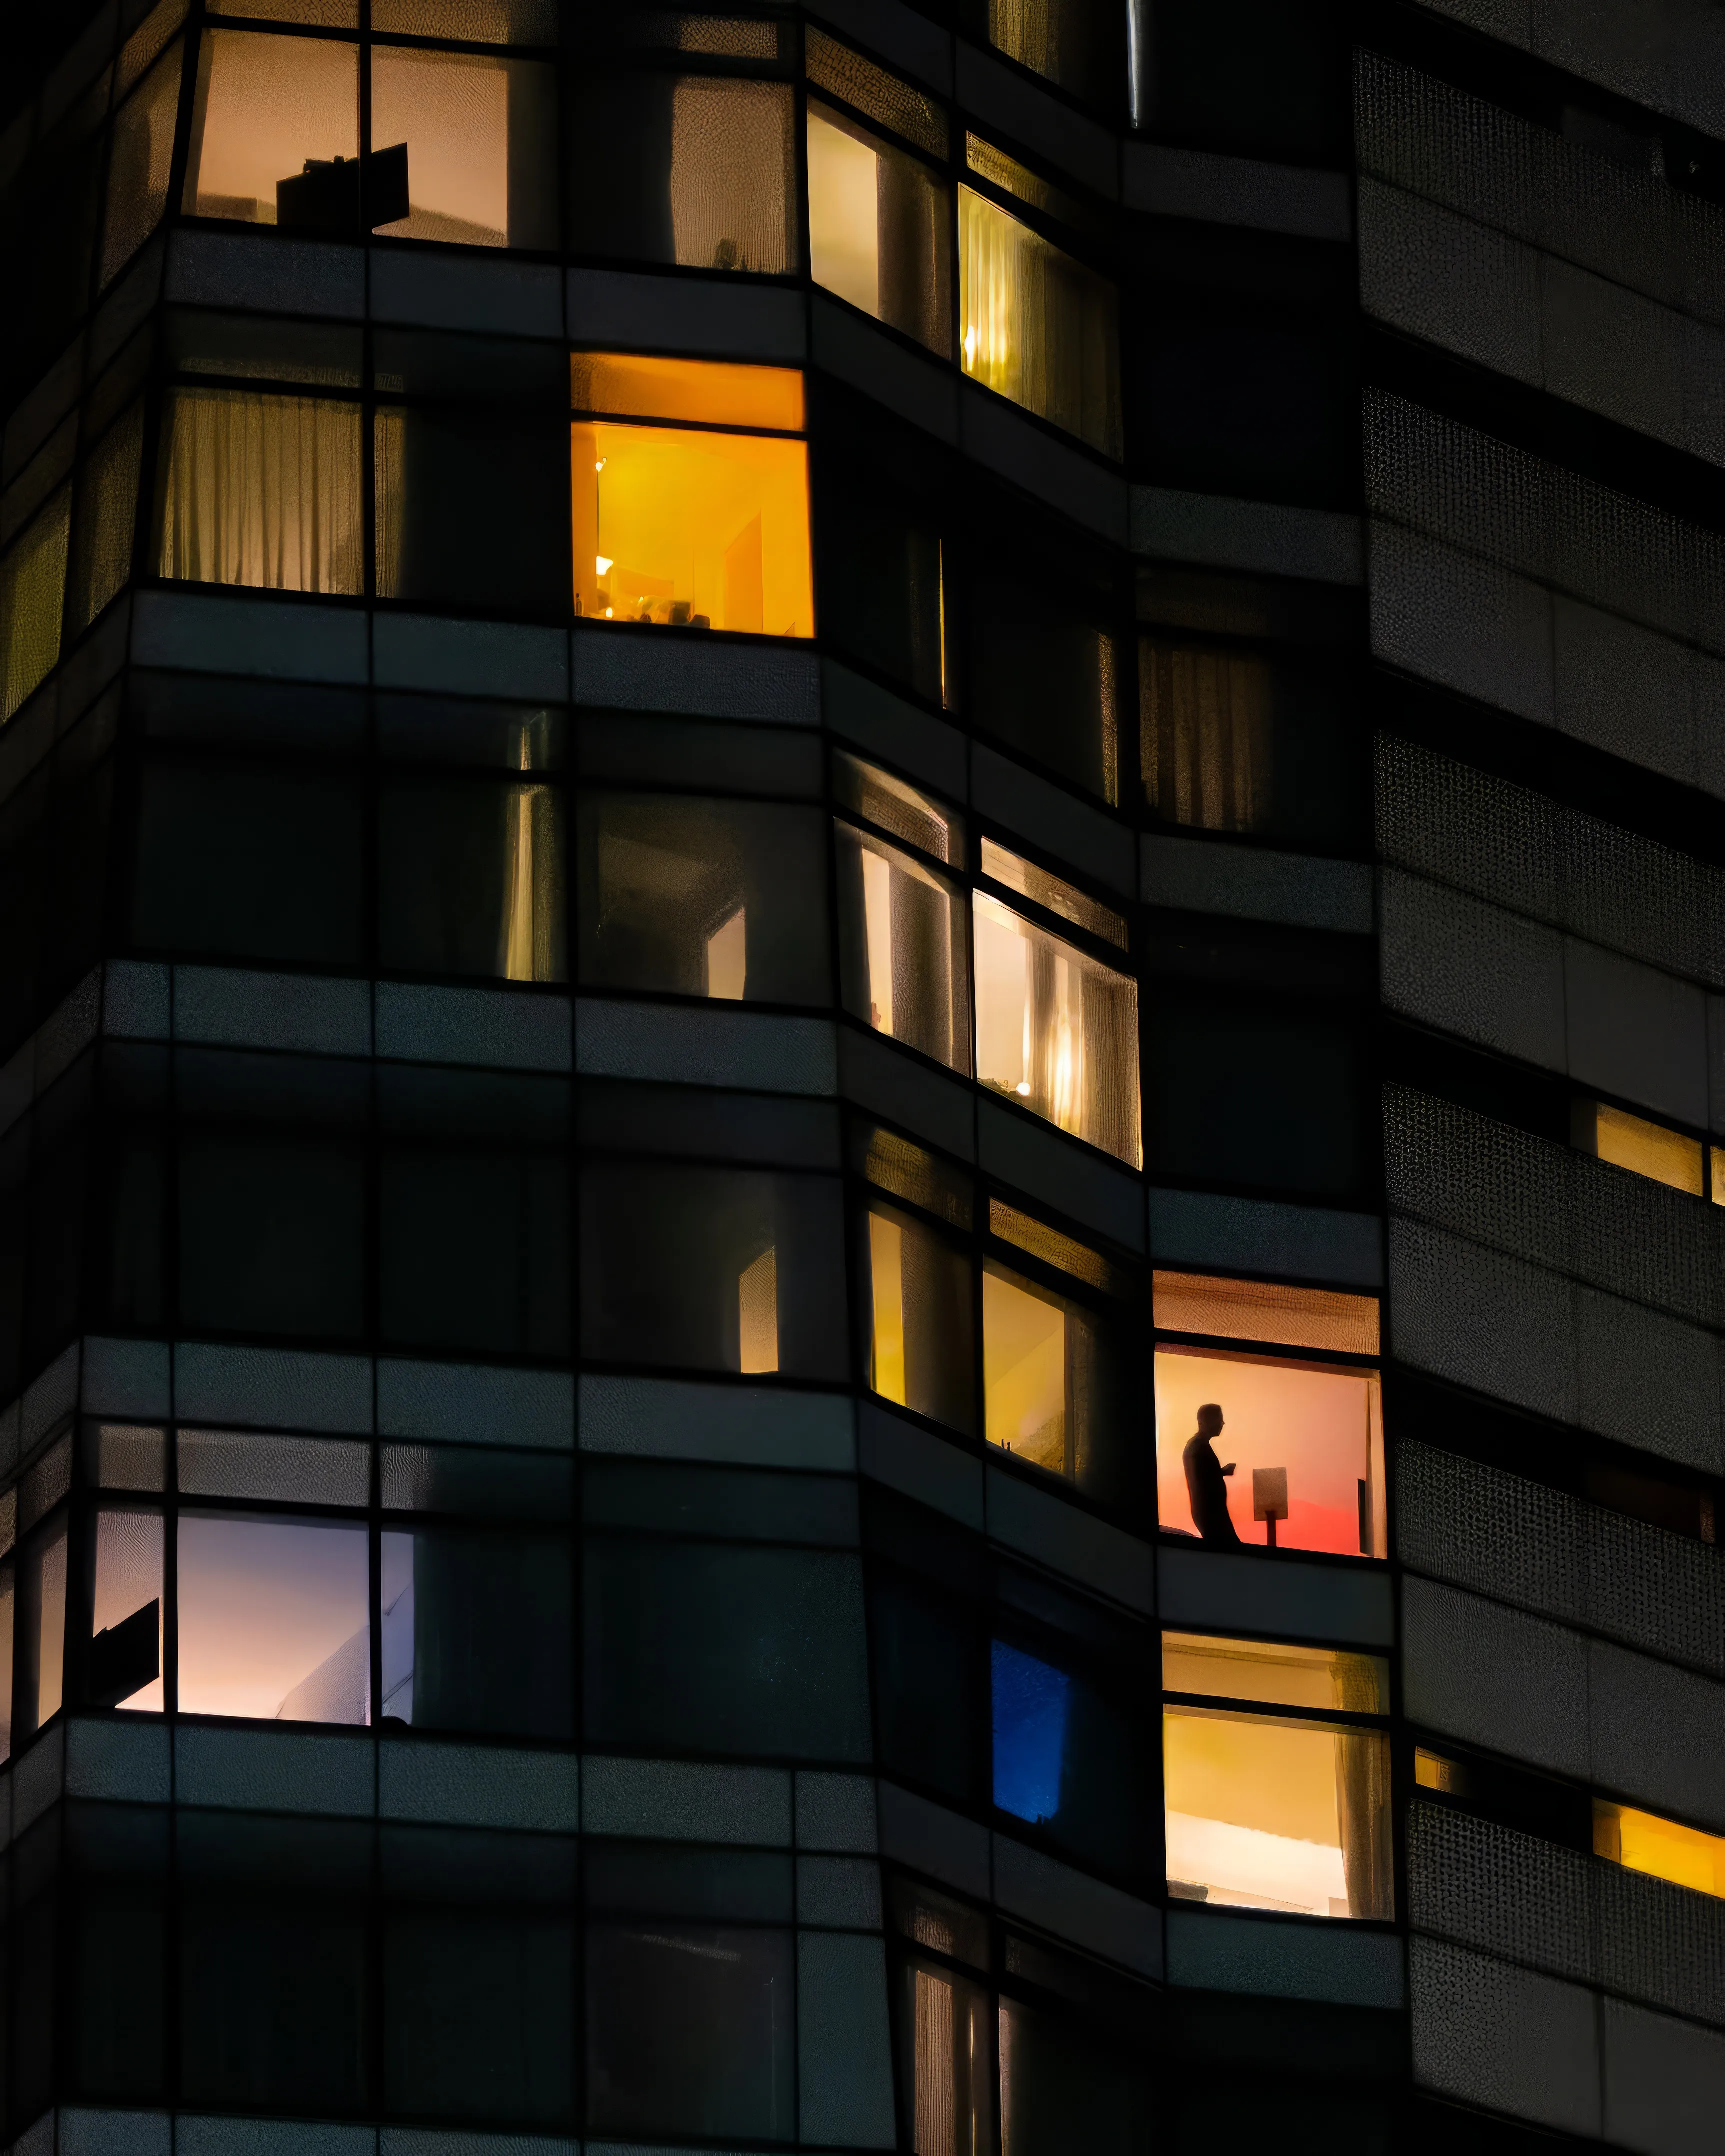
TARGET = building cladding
(862,987)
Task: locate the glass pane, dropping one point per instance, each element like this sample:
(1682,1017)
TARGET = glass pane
(1044,680)
(480,139)
(698,530)
(673,1270)
(1033,1711)
(901,945)
(702,898)
(1026,1233)
(1075,42)
(319,14)
(689,169)
(125,1456)
(878,230)
(107,516)
(1644,1148)
(1288,1455)
(1266,1815)
(473,875)
(33,590)
(1059,2093)
(274,1620)
(1264,1310)
(921,1350)
(270,110)
(1057,1031)
(125,1661)
(951,2086)
(470,22)
(479,1631)
(859,82)
(1206,738)
(9,1607)
(1276,1675)
(138,161)
(1660,1847)
(263,491)
(904,810)
(42,1619)
(712,393)
(1037,326)
(1054,892)
(315,1470)
(690,2032)
(1058,1387)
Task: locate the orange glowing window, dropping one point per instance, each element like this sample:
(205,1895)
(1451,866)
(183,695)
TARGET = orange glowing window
(1644,1148)
(268,108)
(1257,1449)
(1641,1841)
(700,525)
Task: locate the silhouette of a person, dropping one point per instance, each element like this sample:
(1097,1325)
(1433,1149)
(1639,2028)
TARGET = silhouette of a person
(1204,1484)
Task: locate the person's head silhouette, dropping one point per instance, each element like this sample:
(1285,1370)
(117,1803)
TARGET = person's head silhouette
(1209,1420)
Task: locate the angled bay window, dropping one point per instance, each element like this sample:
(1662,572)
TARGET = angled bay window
(1036,325)
(900,922)
(1270,1810)
(699,521)
(701,898)
(1054,1319)
(1057,1029)
(1070,1756)
(462,144)
(33,592)
(139,158)
(879,228)
(1281,1450)
(1079,44)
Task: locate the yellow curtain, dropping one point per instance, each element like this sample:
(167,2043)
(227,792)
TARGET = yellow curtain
(263,491)
(32,591)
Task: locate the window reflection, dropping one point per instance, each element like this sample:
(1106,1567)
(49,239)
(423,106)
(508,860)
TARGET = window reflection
(274,1618)
(1257,1449)
(1057,1031)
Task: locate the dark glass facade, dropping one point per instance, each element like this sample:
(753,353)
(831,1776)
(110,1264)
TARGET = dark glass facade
(862,1078)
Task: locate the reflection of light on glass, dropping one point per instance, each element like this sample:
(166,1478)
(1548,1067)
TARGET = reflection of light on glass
(886,1252)
(274,1620)
(1024,1372)
(397,1604)
(128,1581)
(602,562)
(727,961)
(45,1584)
(1032,1702)
(758,1314)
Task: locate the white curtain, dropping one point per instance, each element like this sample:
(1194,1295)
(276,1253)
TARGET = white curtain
(263,490)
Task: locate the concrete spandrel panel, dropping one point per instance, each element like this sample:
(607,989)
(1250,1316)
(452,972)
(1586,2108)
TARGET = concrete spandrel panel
(1658,1734)
(1635,1031)
(1277,1597)
(1665,2083)
(1451,281)
(1495,1324)
(751,1426)
(1511,1683)
(1337,1964)
(1472,969)
(843,2041)
(1503,2038)
(1471,624)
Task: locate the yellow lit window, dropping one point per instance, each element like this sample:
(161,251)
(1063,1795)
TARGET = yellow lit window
(1641,1842)
(1304,1441)
(688,526)
(1268,1814)
(1056,1030)
(1036,325)
(1024,1371)
(901,934)
(1644,1149)
(1272,1674)
(758,1314)
(921,1328)
(1264,1310)
(1432,1771)
(878,230)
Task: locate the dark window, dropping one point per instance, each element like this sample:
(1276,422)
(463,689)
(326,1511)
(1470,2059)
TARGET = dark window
(714,1268)
(1059,2091)
(1070,1758)
(475,1250)
(119,1855)
(473,509)
(1264,77)
(477,1630)
(249,865)
(735,1650)
(925,1655)
(1043,680)
(271,1234)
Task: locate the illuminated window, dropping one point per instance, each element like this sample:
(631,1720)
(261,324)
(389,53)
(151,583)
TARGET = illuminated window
(479,134)
(263,491)
(33,592)
(1037,326)
(879,229)
(1263,1448)
(1268,1811)
(1640,1841)
(1647,1149)
(922,1330)
(273,110)
(125,1665)
(901,939)
(274,1620)
(686,525)
(1057,1031)
(1072,42)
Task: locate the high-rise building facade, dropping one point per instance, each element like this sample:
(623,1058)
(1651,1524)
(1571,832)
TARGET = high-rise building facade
(862,1077)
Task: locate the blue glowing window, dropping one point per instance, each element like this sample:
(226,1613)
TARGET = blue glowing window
(1033,1704)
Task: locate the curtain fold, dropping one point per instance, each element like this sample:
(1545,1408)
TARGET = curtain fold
(263,491)
(1362,1798)
(1207,737)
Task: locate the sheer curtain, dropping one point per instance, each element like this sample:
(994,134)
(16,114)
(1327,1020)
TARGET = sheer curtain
(1204,723)
(1038,326)
(263,491)
(1363,1793)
